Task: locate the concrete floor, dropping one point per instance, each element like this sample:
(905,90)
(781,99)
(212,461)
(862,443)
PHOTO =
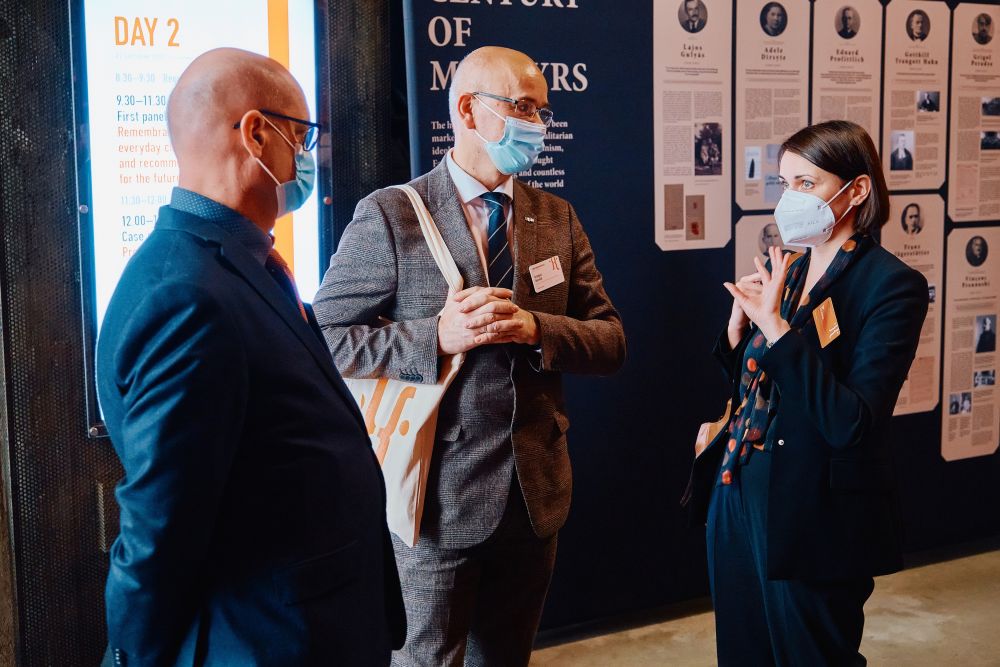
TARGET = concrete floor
(942,614)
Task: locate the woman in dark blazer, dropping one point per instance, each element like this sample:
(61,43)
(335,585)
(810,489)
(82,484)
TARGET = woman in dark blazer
(798,489)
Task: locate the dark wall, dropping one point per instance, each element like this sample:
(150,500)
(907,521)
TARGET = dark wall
(56,480)
(626,546)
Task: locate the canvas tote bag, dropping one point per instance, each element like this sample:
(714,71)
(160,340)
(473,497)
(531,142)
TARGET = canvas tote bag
(402,416)
(708,431)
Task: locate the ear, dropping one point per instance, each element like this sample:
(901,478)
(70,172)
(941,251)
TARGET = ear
(251,132)
(465,101)
(860,190)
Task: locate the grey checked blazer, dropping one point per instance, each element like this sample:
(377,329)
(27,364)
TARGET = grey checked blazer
(505,408)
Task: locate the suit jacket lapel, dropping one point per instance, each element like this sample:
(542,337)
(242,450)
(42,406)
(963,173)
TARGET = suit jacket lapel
(248,268)
(446,209)
(525,241)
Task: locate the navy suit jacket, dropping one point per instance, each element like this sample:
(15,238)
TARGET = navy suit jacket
(252,508)
(832,504)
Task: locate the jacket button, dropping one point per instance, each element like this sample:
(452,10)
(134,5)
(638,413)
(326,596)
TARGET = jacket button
(781,442)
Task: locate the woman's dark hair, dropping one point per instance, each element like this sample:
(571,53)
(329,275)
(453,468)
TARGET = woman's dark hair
(845,149)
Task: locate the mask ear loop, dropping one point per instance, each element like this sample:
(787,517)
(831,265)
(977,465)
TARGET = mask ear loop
(492,111)
(280,133)
(846,211)
(298,148)
(849,206)
(844,187)
(264,167)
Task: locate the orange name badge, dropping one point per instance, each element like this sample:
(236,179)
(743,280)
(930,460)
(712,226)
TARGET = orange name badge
(827,326)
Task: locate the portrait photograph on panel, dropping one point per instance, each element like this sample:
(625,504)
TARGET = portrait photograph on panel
(751,163)
(708,149)
(692,15)
(773,18)
(901,158)
(982,29)
(847,22)
(986,333)
(976,251)
(918,25)
(769,237)
(911,219)
(928,101)
(984,378)
(989,140)
(991,106)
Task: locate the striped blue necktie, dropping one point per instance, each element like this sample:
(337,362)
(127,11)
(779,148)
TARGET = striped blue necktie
(501,266)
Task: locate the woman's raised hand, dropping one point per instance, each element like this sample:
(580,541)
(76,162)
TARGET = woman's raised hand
(760,300)
(738,320)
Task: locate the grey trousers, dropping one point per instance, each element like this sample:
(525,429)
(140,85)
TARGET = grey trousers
(478,606)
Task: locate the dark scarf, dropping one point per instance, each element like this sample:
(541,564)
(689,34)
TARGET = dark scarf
(750,425)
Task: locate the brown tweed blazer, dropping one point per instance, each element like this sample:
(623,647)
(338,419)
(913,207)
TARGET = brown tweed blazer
(505,408)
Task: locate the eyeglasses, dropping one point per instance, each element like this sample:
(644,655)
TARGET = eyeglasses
(312,133)
(523,107)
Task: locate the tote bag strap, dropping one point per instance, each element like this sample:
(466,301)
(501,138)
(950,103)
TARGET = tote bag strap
(439,251)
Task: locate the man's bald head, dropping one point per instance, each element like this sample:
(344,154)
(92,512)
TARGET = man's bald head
(492,69)
(476,119)
(236,166)
(216,90)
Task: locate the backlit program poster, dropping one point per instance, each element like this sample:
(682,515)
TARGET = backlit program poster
(970,410)
(136,50)
(974,168)
(692,56)
(914,121)
(915,234)
(772,81)
(847,62)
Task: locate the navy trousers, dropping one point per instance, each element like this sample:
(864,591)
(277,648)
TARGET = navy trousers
(773,622)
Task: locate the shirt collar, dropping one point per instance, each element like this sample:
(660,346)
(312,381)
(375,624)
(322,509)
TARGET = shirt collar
(469,188)
(253,238)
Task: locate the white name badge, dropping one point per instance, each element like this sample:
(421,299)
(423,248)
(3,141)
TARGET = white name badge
(546,274)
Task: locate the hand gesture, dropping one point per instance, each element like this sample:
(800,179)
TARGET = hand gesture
(492,328)
(466,313)
(738,320)
(763,305)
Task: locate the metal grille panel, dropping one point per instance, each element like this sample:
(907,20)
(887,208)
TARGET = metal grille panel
(59,511)
(52,468)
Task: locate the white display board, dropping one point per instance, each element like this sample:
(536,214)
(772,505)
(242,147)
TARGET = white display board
(135,51)
(692,64)
(970,404)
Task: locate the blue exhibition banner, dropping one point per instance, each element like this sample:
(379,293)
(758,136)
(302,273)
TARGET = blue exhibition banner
(552,32)
(597,56)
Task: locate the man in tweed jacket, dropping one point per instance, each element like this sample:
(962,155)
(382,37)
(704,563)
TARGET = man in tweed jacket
(500,483)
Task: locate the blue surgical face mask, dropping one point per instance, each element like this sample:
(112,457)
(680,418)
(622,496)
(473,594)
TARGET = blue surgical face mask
(518,148)
(806,220)
(293,194)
